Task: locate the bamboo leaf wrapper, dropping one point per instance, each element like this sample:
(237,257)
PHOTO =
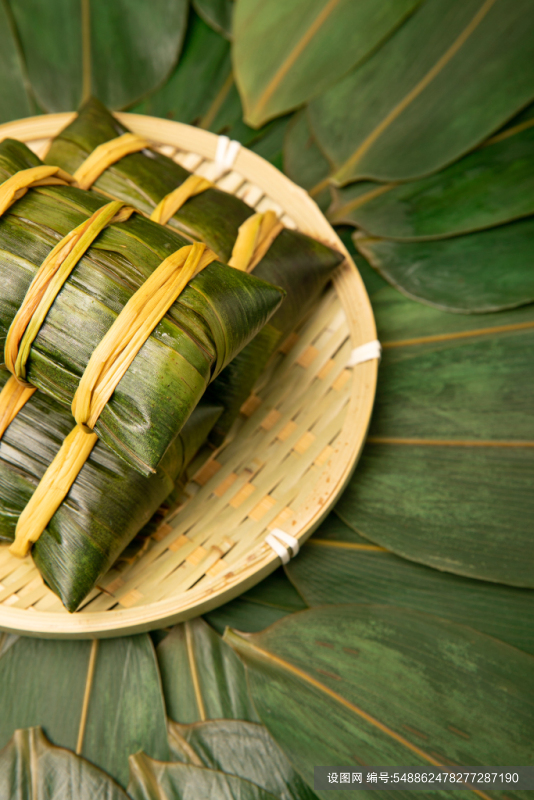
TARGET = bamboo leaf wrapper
(217,313)
(107,505)
(297,263)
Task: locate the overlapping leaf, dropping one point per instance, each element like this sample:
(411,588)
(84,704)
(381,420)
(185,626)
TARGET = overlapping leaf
(304,163)
(445,477)
(217,14)
(338,566)
(373,684)
(30,768)
(244,749)
(490,186)
(143,39)
(285,53)
(464,510)
(205,65)
(452,75)
(401,320)
(154,780)
(202,678)
(477,273)
(102,699)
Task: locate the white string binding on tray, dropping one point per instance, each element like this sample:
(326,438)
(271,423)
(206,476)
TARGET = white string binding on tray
(226,152)
(366,352)
(276,538)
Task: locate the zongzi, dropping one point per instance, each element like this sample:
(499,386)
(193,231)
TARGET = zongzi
(108,503)
(104,155)
(136,388)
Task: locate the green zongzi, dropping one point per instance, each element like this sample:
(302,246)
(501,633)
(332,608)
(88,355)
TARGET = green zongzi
(101,153)
(108,503)
(217,312)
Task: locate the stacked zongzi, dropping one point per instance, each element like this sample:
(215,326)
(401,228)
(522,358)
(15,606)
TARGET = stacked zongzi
(126,322)
(215,315)
(157,185)
(108,503)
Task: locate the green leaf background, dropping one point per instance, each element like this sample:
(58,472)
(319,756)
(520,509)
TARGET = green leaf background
(403,632)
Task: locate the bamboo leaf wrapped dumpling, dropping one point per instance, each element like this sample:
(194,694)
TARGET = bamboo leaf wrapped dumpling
(216,314)
(107,505)
(145,178)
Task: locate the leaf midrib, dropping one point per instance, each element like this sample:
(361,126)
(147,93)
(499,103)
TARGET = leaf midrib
(432,73)
(290,60)
(243,643)
(87,695)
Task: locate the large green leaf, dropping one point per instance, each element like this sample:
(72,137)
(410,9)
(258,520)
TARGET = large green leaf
(492,185)
(16,97)
(445,477)
(401,320)
(119,51)
(475,273)
(338,566)
(245,749)
(304,162)
(202,678)
(217,14)
(474,388)
(285,53)
(453,74)
(152,780)
(31,768)
(205,65)
(102,699)
(466,510)
(262,605)
(380,685)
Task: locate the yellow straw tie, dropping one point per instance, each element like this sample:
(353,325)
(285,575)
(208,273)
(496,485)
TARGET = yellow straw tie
(42,292)
(110,360)
(18,184)
(49,280)
(107,154)
(13,397)
(270,228)
(145,309)
(254,238)
(52,489)
(173,201)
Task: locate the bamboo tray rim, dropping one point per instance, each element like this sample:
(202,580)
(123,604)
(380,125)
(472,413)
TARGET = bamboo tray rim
(359,316)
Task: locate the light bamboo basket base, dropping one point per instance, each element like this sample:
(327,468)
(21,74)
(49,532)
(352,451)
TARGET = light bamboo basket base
(285,463)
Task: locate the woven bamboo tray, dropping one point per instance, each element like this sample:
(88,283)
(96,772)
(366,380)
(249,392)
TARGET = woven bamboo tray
(287,459)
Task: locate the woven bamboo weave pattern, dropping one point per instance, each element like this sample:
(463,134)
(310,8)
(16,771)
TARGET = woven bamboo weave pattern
(286,460)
